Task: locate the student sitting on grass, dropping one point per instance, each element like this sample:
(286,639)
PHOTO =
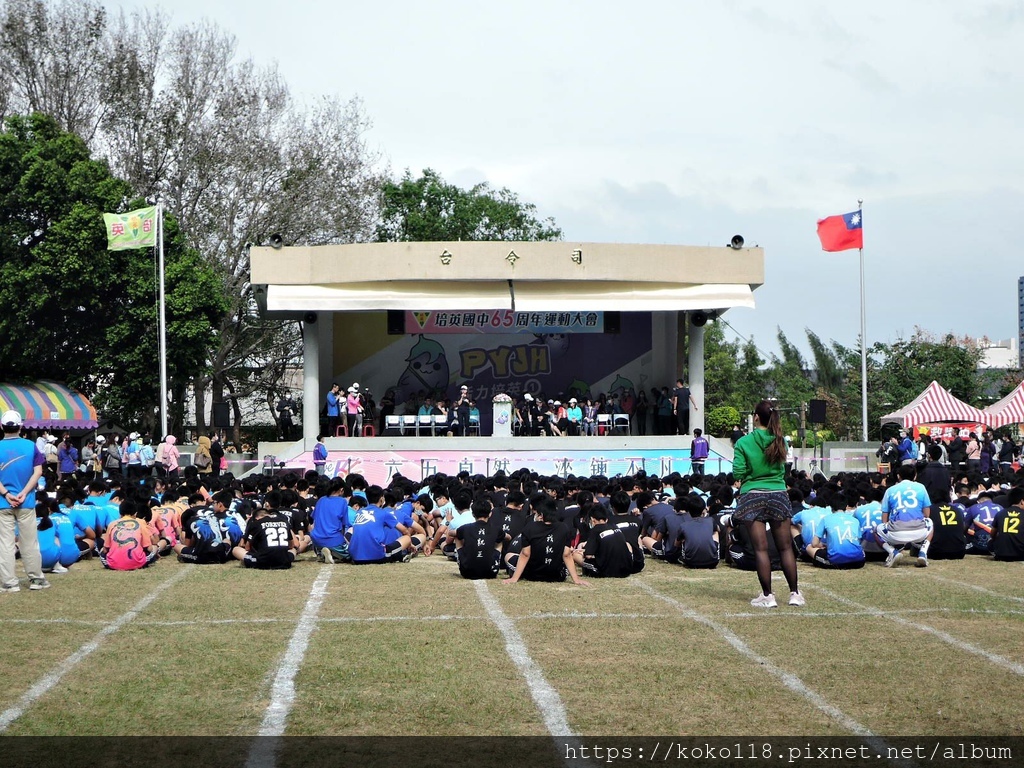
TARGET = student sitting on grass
(268,542)
(697,541)
(375,534)
(478,545)
(209,534)
(837,545)
(606,553)
(127,545)
(541,552)
(330,522)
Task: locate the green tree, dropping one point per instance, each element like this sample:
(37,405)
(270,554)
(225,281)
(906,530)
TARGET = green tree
(73,310)
(721,363)
(431,209)
(789,381)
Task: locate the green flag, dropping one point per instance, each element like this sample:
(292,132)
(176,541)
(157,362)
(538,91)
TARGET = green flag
(135,229)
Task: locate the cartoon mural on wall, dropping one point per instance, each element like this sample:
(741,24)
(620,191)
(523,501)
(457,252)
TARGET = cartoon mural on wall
(556,365)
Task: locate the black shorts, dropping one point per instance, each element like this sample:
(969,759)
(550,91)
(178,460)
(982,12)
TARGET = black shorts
(204,555)
(274,563)
(485,567)
(821,559)
(701,564)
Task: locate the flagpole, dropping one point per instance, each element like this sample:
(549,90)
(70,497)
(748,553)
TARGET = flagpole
(863,342)
(163,321)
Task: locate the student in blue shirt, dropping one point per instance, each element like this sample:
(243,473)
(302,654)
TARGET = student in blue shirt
(375,534)
(838,544)
(906,510)
(330,521)
(808,521)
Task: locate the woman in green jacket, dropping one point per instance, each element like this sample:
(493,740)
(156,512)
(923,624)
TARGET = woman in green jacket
(760,466)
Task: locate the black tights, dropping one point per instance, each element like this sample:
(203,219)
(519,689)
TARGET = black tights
(783,536)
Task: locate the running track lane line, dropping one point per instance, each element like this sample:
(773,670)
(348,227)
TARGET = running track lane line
(50,679)
(544,696)
(263,751)
(945,637)
(788,679)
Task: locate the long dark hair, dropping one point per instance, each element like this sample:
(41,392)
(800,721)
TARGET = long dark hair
(768,415)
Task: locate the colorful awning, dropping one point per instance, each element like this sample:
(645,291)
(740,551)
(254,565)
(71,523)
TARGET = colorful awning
(1009,410)
(933,406)
(47,404)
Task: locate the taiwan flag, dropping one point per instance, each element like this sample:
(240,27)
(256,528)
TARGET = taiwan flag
(841,233)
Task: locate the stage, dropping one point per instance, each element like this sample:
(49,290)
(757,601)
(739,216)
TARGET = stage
(378,459)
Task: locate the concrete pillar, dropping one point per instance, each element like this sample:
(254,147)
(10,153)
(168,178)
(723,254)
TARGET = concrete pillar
(663,347)
(696,368)
(312,397)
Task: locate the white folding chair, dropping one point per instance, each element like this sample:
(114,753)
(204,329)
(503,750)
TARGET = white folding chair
(621,421)
(424,424)
(409,424)
(604,423)
(392,425)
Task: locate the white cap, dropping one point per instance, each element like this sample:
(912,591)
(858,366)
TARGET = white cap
(100,439)
(572,400)
(355,385)
(133,436)
(11,419)
(464,387)
(558,402)
(528,397)
(351,390)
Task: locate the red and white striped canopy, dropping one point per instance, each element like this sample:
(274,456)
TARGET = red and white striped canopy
(935,405)
(1009,410)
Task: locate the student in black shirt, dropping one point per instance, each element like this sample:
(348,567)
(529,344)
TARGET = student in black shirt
(629,524)
(543,549)
(268,542)
(949,538)
(606,553)
(664,541)
(1008,529)
(511,519)
(478,545)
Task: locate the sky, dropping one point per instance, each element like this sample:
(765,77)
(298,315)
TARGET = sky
(689,122)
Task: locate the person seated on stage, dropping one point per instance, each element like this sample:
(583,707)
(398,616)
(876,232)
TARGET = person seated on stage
(978,521)
(906,510)
(268,542)
(541,552)
(127,545)
(478,544)
(427,408)
(838,543)
(574,417)
(375,534)
(330,523)
(1008,528)
(606,553)
(589,424)
(550,425)
(446,416)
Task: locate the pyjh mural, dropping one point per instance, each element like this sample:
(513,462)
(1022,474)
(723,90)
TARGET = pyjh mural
(407,368)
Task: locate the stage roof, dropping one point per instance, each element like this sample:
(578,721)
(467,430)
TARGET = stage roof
(531,276)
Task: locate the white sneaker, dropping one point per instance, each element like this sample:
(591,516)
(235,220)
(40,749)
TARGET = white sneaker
(58,568)
(328,557)
(764,601)
(795,598)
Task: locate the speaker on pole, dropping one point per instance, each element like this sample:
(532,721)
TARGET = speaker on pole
(222,415)
(817,414)
(396,322)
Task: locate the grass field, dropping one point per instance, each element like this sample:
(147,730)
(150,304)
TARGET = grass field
(345,650)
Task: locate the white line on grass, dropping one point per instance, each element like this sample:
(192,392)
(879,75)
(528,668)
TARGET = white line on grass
(51,678)
(976,588)
(547,699)
(282,693)
(995,658)
(904,611)
(788,679)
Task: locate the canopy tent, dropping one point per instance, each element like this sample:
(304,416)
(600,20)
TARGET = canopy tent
(935,405)
(48,405)
(1009,410)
